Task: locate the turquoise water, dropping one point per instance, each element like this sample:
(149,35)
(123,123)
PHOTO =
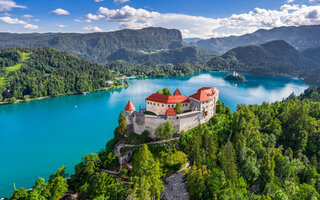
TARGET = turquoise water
(38,137)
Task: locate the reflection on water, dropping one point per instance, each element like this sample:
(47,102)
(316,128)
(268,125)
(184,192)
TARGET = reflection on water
(38,137)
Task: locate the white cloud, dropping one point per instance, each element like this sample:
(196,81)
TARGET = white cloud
(10,20)
(7,5)
(98,0)
(27,16)
(60,11)
(94,17)
(120,1)
(83,20)
(289,7)
(60,25)
(93,28)
(204,27)
(290,1)
(31,26)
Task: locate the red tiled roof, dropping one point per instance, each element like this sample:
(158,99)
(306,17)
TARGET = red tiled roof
(130,107)
(168,99)
(205,94)
(177,92)
(171,111)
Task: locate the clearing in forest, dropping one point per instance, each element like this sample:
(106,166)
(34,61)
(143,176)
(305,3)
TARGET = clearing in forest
(10,70)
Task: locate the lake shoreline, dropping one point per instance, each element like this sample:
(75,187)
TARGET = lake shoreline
(48,97)
(135,77)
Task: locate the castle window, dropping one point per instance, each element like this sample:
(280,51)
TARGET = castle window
(162,105)
(158,104)
(177,117)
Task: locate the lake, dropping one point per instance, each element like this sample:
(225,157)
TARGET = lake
(38,137)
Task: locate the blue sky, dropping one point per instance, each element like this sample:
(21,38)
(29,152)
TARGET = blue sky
(195,18)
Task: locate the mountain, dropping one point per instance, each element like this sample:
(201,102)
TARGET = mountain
(98,47)
(174,56)
(313,53)
(191,40)
(302,38)
(271,58)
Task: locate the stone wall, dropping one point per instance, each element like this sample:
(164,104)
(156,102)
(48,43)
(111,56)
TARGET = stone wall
(185,121)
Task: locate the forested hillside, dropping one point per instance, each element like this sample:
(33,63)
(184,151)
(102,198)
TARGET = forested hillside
(98,47)
(301,37)
(272,58)
(173,56)
(49,72)
(267,151)
(313,53)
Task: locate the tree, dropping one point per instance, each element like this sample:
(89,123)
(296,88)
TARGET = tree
(197,181)
(148,173)
(195,153)
(166,91)
(228,162)
(166,130)
(122,125)
(266,170)
(178,108)
(19,194)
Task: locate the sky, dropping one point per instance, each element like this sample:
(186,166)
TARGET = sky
(194,18)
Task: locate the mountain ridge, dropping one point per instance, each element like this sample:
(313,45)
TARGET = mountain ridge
(272,58)
(301,37)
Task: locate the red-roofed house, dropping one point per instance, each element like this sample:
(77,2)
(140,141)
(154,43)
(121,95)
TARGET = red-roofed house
(159,103)
(205,101)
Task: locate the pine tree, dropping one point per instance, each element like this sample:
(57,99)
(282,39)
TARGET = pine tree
(266,170)
(228,162)
(122,127)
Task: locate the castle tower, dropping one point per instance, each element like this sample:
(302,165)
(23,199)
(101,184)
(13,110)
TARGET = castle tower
(177,92)
(129,109)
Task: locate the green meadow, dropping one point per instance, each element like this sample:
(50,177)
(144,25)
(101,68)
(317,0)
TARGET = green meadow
(10,70)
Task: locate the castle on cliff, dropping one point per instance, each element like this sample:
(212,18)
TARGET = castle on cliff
(198,109)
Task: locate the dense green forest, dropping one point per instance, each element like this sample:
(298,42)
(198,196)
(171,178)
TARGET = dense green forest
(151,69)
(268,151)
(190,54)
(50,72)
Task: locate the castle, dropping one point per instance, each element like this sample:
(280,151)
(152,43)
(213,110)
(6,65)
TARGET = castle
(197,109)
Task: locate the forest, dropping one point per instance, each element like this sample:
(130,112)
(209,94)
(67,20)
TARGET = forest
(50,72)
(267,151)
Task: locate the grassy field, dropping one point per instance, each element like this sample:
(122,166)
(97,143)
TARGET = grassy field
(12,69)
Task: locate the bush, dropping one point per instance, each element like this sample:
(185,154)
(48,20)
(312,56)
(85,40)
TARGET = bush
(166,130)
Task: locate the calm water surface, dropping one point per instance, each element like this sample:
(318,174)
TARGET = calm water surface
(38,137)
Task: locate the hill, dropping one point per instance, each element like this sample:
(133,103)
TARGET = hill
(98,47)
(174,56)
(313,53)
(302,38)
(272,58)
(37,73)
